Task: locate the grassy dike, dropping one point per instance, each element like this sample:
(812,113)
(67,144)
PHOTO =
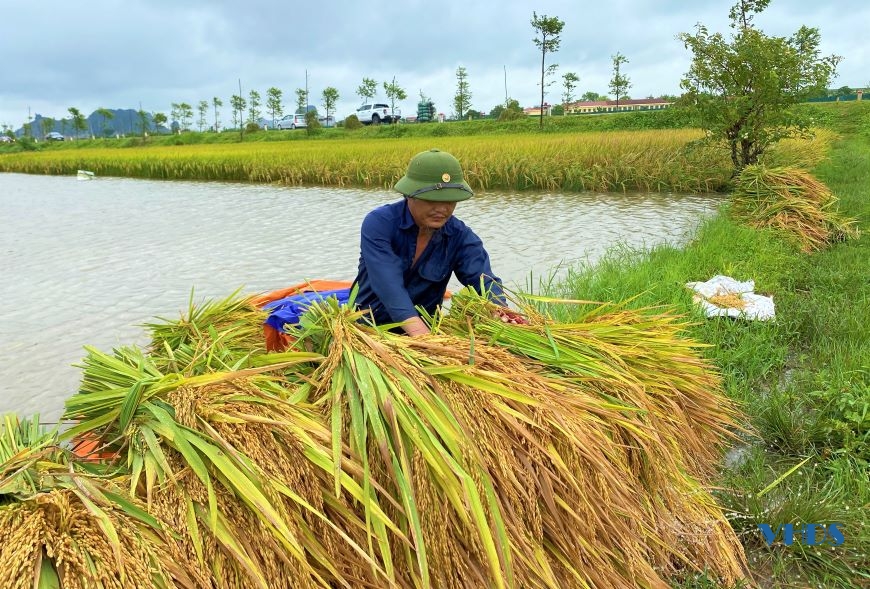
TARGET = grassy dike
(803,379)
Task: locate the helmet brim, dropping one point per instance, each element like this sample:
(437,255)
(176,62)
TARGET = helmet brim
(408,186)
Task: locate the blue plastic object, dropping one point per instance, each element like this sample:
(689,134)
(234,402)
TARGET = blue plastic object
(288,310)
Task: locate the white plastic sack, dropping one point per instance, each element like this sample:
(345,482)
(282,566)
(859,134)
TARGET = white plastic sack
(753,306)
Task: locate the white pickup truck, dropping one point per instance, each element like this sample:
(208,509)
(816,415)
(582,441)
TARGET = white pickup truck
(375,114)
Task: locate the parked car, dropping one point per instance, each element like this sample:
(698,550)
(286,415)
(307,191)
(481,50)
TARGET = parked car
(291,122)
(375,114)
(54,136)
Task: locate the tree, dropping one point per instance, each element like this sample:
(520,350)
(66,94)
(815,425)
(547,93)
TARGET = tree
(462,99)
(273,103)
(619,83)
(143,121)
(105,116)
(547,31)
(217,103)
(301,101)
(159,119)
(394,92)
(254,102)
(330,98)
(47,124)
(592,97)
(79,123)
(238,105)
(367,90)
(175,112)
(202,109)
(185,112)
(844,91)
(512,111)
(569,82)
(743,89)
(312,124)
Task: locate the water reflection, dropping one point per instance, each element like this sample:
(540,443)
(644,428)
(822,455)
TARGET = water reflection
(88,262)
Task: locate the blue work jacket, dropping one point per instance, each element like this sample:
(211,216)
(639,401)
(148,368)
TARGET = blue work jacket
(391,284)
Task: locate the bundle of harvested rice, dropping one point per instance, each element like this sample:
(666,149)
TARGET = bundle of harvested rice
(560,465)
(792,201)
(488,456)
(63,525)
(235,462)
(212,337)
(639,358)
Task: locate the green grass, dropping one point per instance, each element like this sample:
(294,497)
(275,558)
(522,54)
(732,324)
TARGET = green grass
(803,380)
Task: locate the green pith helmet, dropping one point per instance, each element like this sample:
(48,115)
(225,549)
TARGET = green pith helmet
(434,175)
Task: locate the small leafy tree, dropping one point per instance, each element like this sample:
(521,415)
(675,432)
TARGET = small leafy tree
(352,122)
(394,92)
(367,89)
(202,109)
(569,83)
(185,111)
(512,111)
(238,105)
(592,97)
(142,116)
(462,99)
(743,88)
(160,120)
(273,103)
(312,124)
(47,124)
(301,101)
(254,102)
(217,103)
(105,116)
(330,98)
(547,31)
(79,123)
(619,83)
(175,112)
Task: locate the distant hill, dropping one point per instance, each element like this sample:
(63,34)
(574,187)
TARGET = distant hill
(123,122)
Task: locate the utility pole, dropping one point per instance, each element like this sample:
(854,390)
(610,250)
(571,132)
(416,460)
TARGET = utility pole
(241,116)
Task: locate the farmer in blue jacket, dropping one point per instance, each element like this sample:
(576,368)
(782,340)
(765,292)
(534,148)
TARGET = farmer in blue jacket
(409,249)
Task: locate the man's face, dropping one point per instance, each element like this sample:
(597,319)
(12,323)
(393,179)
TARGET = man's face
(429,214)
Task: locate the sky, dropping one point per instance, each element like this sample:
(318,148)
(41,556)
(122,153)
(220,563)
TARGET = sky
(56,54)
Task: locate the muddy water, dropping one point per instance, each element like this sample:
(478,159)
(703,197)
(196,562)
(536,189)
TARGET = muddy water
(87,262)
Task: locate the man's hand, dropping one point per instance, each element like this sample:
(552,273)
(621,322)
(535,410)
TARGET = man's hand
(510,316)
(415,327)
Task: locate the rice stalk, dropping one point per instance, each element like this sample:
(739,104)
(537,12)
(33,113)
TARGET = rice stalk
(65,524)
(793,202)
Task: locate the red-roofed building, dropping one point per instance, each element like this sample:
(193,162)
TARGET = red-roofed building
(625,105)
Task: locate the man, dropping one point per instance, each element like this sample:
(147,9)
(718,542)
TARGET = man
(409,249)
